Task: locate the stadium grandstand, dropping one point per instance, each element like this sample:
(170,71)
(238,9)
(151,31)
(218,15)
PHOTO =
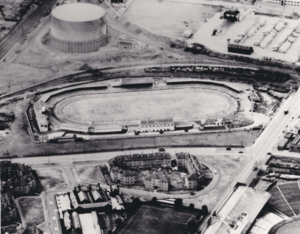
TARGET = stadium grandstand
(265,221)
(286,198)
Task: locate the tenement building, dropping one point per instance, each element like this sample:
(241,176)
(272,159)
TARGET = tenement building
(141,161)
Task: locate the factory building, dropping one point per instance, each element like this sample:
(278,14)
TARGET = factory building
(240,49)
(294,3)
(78,28)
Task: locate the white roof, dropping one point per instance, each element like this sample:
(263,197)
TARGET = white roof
(87,224)
(63,203)
(115,204)
(78,12)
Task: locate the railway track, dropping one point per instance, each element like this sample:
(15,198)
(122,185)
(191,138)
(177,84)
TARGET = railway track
(23,27)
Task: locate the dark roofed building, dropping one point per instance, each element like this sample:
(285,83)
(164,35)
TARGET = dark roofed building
(196,176)
(142,160)
(92,196)
(127,44)
(125,177)
(240,49)
(194,180)
(183,125)
(232,15)
(160,181)
(9,170)
(12,229)
(295,144)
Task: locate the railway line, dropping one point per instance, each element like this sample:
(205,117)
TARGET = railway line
(23,27)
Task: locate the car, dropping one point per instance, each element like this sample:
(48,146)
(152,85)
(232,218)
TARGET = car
(162,150)
(228,148)
(192,193)
(269,153)
(241,152)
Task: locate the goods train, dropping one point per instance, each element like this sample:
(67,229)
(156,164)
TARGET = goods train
(254,73)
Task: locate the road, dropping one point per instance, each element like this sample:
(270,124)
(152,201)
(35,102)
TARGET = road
(104,156)
(266,143)
(268,140)
(23,27)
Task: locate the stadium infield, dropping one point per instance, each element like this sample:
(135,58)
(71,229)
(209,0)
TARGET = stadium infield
(156,220)
(145,105)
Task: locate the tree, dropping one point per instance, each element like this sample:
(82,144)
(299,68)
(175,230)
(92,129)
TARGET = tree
(178,203)
(154,200)
(205,210)
(118,222)
(191,224)
(136,202)
(191,206)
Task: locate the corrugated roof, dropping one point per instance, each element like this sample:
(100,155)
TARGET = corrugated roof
(82,196)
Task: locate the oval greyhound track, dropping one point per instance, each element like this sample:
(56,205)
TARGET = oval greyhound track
(289,228)
(184,103)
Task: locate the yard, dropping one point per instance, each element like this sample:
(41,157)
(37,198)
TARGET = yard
(32,210)
(157,220)
(168,18)
(50,178)
(90,174)
(267,103)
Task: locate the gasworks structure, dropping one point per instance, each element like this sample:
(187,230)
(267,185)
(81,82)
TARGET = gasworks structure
(78,28)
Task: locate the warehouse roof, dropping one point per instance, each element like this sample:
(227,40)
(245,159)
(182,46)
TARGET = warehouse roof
(78,12)
(240,211)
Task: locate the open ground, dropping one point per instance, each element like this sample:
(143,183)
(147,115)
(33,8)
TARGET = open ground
(168,18)
(90,174)
(150,219)
(50,178)
(32,210)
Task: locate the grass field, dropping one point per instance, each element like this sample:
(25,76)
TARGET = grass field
(91,174)
(168,18)
(157,220)
(50,178)
(32,210)
(158,104)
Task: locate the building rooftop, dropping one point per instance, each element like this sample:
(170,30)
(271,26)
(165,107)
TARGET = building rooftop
(182,155)
(194,176)
(239,210)
(296,140)
(162,178)
(157,122)
(139,157)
